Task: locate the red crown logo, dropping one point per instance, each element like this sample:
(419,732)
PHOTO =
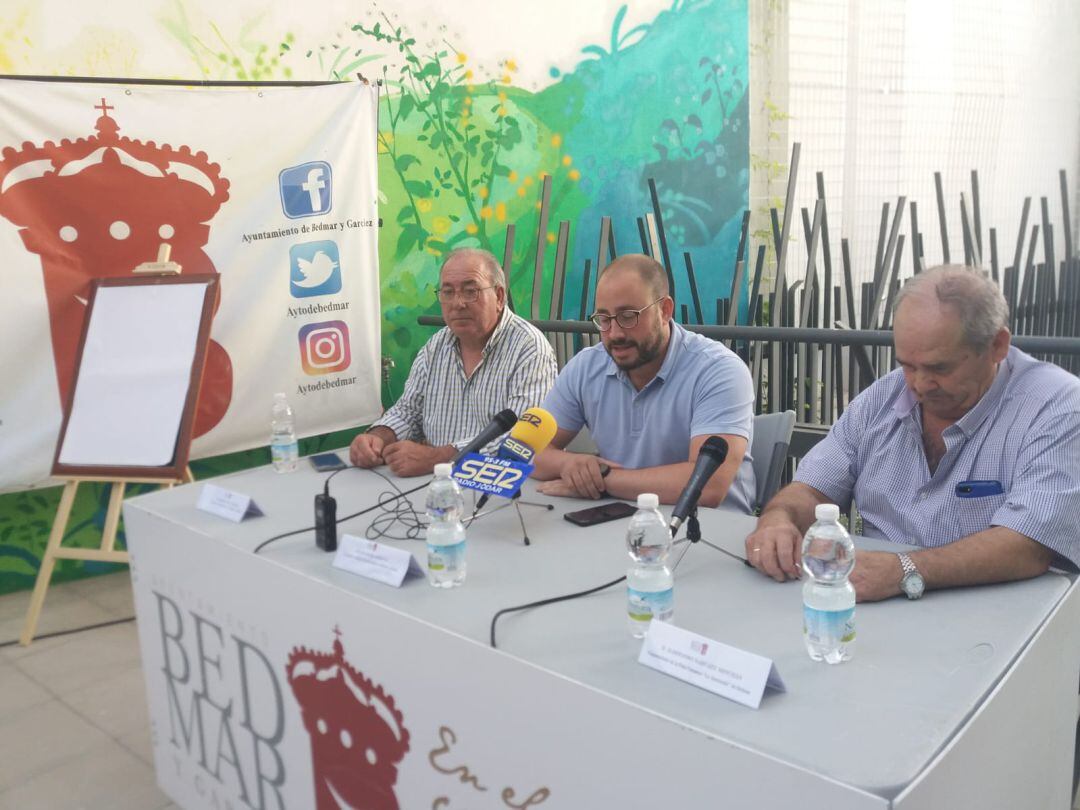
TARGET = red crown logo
(99,206)
(358,736)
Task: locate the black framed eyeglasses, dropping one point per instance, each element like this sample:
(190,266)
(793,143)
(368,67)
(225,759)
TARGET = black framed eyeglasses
(467,294)
(626,319)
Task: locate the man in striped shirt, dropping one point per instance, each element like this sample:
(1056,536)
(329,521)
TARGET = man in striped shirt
(485,360)
(971,450)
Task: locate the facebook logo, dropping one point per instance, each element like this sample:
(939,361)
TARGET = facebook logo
(315,269)
(306,190)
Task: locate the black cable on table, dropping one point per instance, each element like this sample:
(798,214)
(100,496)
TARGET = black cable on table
(270,540)
(550,601)
(381,504)
(569,596)
(402,512)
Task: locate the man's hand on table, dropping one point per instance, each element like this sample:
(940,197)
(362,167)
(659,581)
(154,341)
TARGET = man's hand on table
(366,450)
(876,576)
(407,459)
(775,549)
(581,477)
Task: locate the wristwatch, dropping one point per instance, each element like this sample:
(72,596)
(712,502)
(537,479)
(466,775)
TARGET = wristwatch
(912,582)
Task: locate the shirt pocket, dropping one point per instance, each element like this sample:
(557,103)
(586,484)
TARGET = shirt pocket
(974,514)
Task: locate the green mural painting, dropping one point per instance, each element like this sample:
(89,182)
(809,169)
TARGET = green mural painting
(461,160)
(463,153)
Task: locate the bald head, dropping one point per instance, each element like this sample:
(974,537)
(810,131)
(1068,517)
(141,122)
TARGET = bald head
(968,293)
(650,271)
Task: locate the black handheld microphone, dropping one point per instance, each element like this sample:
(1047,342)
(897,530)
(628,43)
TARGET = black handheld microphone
(710,457)
(502,422)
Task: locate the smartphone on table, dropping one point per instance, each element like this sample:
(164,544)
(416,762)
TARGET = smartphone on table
(601,514)
(327,462)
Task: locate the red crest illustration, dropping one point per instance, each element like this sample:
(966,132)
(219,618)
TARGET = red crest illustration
(358,736)
(99,206)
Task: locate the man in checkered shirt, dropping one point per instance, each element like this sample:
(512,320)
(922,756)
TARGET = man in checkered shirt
(485,360)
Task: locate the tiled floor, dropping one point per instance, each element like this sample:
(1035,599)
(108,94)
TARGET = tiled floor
(74,731)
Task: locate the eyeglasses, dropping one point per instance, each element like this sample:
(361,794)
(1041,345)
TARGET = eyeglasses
(626,319)
(468,295)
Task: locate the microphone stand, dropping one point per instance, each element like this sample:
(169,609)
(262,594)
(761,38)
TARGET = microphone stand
(518,502)
(693,534)
(521,520)
(693,527)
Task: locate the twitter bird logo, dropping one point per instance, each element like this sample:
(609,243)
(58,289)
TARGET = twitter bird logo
(315,269)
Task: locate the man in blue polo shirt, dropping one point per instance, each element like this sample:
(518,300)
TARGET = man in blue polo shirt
(650,395)
(971,450)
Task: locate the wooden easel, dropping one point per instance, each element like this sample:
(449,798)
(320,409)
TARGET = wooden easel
(161,271)
(106,552)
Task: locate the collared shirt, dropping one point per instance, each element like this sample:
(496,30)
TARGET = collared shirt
(441,406)
(1024,434)
(702,388)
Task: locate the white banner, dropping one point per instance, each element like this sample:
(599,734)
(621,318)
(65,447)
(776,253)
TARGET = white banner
(273,188)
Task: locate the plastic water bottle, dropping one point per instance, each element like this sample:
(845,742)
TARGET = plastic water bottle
(284,450)
(649,585)
(828,556)
(445,531)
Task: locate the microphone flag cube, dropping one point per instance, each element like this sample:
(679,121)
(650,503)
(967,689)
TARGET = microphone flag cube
(490,475)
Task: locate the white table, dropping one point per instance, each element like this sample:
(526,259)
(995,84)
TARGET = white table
(964,699)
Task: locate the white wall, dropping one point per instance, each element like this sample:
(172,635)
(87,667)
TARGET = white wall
(882,94)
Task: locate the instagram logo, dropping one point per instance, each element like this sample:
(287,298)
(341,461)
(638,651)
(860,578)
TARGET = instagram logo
(324,347)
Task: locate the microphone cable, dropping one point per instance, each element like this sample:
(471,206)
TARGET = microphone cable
(551,601)
(396,509)
(281,536)
(567,597)
(326,491)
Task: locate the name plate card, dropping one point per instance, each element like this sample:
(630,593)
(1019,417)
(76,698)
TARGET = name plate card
(226,503)
(718,668)
(376,561)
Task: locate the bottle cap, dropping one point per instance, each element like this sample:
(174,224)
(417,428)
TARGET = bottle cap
(443,470)
(827,511)
(648,500)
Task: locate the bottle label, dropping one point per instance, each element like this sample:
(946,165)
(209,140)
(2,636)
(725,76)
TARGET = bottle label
(446,559)
(828,627)
(644,606)
(284,451)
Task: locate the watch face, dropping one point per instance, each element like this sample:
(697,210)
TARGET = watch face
(912,584)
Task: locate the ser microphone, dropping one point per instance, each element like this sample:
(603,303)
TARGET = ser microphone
(502,422)
(532,433)
(710,457)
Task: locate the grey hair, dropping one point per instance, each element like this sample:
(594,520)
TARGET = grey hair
(971,294)
(487,261)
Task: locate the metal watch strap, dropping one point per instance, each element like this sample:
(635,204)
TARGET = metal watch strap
(911,582)
(908,565)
